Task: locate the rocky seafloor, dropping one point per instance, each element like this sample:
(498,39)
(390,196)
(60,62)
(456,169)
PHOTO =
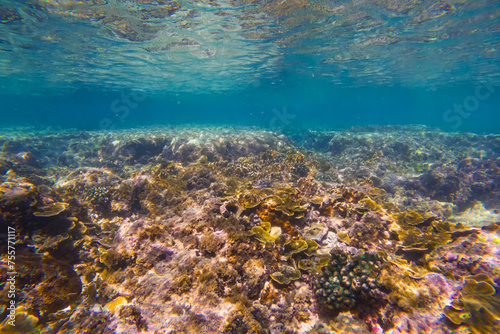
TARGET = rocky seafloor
(243,230)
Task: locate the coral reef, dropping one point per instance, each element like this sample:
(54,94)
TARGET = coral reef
(348,280)
(240,231)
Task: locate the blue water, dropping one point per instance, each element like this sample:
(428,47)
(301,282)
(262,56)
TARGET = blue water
(274,64)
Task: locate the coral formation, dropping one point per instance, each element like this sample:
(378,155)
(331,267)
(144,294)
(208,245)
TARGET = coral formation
(348,280)
(98,196)
(216,230)
(478,305)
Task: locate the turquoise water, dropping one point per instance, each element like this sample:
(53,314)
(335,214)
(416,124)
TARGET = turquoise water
(249,166)
(275,64)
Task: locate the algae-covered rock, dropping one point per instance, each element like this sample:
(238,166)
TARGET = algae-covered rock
(56,285)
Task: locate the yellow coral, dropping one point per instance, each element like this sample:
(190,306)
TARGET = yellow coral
(294,246)
(478,305)
(24,322)
(265,233)
(112,305)
(51,210)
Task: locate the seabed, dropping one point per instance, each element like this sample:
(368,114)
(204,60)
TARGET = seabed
(245,230)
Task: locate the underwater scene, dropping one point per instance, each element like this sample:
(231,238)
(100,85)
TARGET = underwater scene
(250,166)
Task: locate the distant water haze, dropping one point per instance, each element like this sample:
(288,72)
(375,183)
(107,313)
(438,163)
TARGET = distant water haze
(323,107)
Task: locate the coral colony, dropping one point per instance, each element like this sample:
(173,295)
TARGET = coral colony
(221,230)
